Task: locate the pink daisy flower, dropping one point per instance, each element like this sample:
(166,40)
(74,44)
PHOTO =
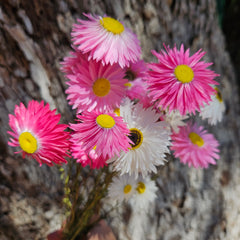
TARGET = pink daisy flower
(136,70)
(136,89)
(36,131)
(106,40)
(92,85)
(195,146)
(179,81)
(136,73)
(102,131)
(85,158)
(136,86)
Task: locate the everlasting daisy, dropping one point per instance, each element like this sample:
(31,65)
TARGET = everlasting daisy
(122,188)
(179,81)
(174,119)
(136,87)
(36,131)
(194,146)
(145,194)
(92,85)
(150,141)
(90,158)
(103,131)
(107,40)
(136,70)
(214,110)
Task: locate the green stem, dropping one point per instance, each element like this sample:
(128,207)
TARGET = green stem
(80,219)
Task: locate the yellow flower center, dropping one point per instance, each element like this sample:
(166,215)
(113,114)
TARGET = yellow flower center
(28,142)
(196,139)
(218,95)
(141,188)
(184,73)
(105,121)
(128,84)
(101,87)
(137,138)
(117,111)
(127,189)
(112,25)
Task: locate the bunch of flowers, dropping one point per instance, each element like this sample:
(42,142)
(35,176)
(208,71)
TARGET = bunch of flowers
(130,115)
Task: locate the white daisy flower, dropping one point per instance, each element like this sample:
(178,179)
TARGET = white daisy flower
(175,120)
(145,194)
(214,110)
(150,139)
(122,188)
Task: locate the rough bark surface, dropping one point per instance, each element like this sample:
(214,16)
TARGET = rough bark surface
(34,37)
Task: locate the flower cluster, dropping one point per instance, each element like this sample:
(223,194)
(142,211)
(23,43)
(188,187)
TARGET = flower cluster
(139,192)
(129,114)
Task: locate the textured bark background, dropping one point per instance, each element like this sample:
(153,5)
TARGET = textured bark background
(34,37)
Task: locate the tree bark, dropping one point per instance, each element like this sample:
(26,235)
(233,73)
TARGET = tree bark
(34,38)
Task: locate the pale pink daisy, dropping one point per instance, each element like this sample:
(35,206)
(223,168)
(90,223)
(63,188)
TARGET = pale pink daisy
(84,157)
(179,81)
(195,146)
(103,131)
(106,40)
(92,85)
(136,73)
(136,70)
(136,89)
(36,131)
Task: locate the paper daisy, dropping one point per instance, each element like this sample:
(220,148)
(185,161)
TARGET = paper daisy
(150,141)
(194,146)
(83,157)
(36,131)
(174,119)
(214,110)
(136,70)
(122,188)
(145,194)
(103,131)
(106,40)
(179,81)
(137,87)
(92,85)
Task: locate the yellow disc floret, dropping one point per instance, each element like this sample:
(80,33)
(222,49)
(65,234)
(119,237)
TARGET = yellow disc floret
(218,95)
(184,73)
(105,121)
(137,138)
(112,25)
(196,139)
(127,189)
(141,188)
(117,111)
(101,87)
(28,142)
(128,84)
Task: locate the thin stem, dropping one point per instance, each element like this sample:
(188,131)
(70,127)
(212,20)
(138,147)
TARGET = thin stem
(81,215)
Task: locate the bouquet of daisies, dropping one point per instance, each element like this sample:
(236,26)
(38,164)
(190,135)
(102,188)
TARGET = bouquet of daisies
(130,116)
